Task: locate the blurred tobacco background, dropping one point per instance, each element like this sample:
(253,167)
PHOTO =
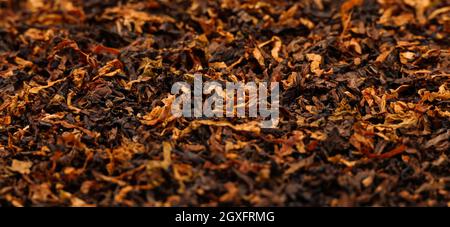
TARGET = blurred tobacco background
(85,103)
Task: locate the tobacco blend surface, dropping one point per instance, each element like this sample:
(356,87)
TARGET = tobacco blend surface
(85,103)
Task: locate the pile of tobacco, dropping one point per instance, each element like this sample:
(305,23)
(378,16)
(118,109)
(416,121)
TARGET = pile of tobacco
(85,103)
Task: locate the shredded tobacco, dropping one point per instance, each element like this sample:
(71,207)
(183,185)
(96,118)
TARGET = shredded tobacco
(85,96)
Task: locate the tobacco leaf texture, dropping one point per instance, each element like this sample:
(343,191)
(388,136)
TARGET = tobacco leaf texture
(85,103)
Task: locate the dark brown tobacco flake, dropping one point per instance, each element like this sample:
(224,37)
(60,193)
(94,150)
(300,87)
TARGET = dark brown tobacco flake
(85,103)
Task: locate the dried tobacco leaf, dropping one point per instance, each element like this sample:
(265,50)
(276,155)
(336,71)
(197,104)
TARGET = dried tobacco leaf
(85,103)
(22,167)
